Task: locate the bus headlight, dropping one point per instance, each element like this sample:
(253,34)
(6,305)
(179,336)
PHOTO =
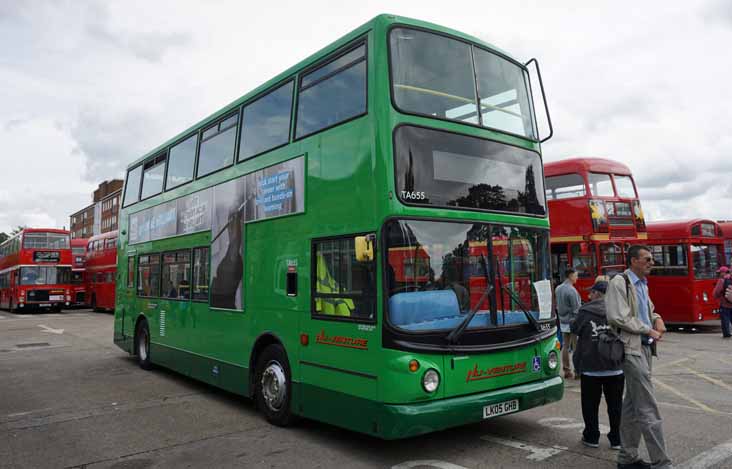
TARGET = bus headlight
(552,360)
(705,296)
(430,380)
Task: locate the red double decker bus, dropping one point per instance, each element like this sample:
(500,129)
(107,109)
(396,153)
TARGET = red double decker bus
(686,257)
(78,276)
(101,268)
(595,215)
(35,270)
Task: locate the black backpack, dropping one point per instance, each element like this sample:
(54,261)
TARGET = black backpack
(610,347)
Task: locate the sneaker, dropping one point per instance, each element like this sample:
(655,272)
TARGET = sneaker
(639,464)
(615,446)
(589,443)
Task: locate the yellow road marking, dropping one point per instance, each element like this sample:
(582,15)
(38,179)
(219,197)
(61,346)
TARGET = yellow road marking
(685,397)
(674,363)
(709,378)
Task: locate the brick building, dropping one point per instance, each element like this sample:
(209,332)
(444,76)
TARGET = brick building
(102,215)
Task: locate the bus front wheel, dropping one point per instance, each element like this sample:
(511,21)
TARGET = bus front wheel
(274,386)
(142,346)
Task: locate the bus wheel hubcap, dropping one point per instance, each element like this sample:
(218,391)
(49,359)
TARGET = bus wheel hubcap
(274,386)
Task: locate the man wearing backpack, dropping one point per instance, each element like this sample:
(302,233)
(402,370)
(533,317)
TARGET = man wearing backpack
(630,309)
(723,292)
(600,374)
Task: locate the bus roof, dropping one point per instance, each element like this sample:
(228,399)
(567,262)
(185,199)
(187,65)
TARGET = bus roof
(726,226)
(76,242)
(383,20)
(45,230)
(581,165)
(677,228)
(107,235)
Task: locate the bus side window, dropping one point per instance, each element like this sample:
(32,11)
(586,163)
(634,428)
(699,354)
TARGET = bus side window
(200,274)
(344,287)
(131,272)
(332,93)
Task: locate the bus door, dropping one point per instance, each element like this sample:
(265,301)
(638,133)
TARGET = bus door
(148,293)
(124,294)
(340,339)
(560,261)
(174,304)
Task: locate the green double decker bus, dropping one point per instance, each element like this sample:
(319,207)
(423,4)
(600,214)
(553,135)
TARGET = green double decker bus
(363,240)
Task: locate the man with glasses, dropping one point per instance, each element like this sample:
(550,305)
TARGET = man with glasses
(629,309)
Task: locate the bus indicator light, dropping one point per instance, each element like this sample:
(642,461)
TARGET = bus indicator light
(304,340)
(413,366)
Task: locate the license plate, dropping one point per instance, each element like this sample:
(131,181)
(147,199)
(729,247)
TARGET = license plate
(56,297)
(500,408)
(45,305)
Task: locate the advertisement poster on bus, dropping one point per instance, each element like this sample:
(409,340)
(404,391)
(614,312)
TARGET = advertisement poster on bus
(224,209)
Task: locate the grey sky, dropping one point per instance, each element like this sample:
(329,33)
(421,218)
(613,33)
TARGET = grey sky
(90,86)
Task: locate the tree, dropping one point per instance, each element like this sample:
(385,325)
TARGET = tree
(3,237)
(17,230)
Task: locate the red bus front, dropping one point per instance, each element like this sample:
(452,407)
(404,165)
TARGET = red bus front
(101,270)
(595,215)
(35,267)
(686,257)
(78,276)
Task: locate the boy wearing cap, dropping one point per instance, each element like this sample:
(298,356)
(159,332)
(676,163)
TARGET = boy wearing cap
(725,306)
(599,376)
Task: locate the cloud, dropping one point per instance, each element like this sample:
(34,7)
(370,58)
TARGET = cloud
(718,12)
(109,141)
(150,46)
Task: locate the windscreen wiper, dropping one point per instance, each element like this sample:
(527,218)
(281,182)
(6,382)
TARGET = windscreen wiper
(532,320)
(455,334)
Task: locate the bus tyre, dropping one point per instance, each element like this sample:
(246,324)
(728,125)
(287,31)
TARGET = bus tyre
(142,346)
(273,386)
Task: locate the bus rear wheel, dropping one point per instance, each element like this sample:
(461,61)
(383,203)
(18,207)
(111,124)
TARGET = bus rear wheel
(142,346)
(273,386)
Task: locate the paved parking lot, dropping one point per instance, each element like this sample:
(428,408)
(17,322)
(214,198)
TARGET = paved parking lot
(70,398)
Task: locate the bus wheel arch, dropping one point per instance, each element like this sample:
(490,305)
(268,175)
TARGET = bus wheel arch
(272,383)
(263,341)
(141,349)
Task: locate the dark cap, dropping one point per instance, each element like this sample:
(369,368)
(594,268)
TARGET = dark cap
(600,286)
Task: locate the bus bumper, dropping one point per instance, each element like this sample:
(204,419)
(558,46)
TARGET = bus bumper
(400,421)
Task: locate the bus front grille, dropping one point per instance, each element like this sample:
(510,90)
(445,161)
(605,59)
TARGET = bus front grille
(37,295)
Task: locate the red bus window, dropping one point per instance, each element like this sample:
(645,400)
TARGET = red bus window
(583,263)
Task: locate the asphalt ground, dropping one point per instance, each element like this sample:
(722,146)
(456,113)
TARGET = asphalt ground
(71,398)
